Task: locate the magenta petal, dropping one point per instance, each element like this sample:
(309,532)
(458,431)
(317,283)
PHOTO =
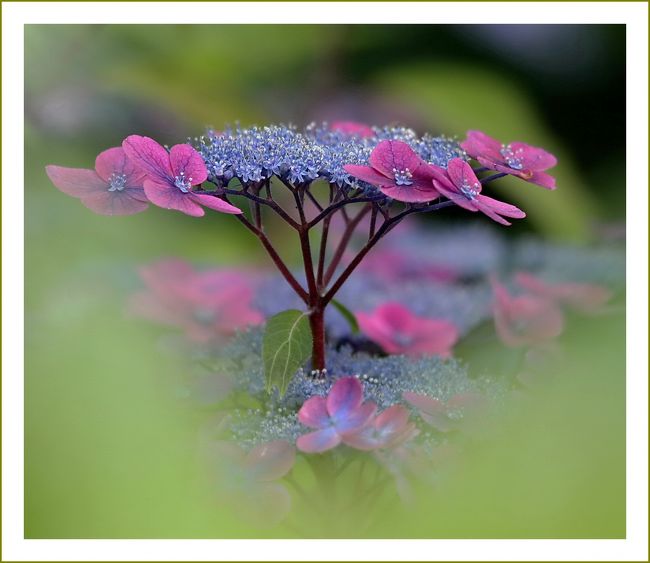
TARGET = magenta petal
(185,160)
(271,460)
(393,420)
(149,157)
(501,207)
(344,397)
(410,194)
(543,179)
(313,413)
(478,144)
(423,402)
(77,182)
(114,203)
(352,128)
(114,161)
(388,156)
(169,197)
(461,174)
(534,158)
(215,203)
(368,174)
(356,419)
(365,439)
(319,441)
(449,191)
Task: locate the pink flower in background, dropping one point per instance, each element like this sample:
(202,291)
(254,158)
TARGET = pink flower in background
(517,159)
(583,297)
(250,478)
(398,172)
(460,184)
(208,305)
(387,430)
(398,331)
(334,417)
(525,320)
(172,175)
(353,128)
(113,188)
(443,416)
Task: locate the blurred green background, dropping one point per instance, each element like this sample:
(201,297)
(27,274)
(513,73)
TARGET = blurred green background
(109,450)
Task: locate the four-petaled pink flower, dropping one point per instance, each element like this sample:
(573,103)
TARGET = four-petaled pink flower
(387,430)
(526,319)
(113,188)
(334,417)
(353,128)
(460,184)
(249,479)
(517,159)
(443,416)
(583,297)
(398,172)
(398,331)
(172,175)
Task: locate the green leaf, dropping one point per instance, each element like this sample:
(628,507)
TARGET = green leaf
(286,346)
(347,314)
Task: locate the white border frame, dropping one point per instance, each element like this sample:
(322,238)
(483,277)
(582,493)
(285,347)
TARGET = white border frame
(16,548)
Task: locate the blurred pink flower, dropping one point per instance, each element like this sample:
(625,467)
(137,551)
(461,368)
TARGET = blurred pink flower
(526,319)
(460,184)
(398,172)
(518,159)
(172,175)
(113,188)
(353,128)
(387,430)
(334,417)
(443,416)
(583,297)
(207,305)
(249,478)
(398,331)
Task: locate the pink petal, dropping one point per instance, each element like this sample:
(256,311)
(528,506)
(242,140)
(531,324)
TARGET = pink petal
(433,337)
(185,160)
(344,397)
(533,158)
(364,439)
(450,191)
(353,128)
(368,174)
(415,193)
(168,196)
(319,441)
(216,203)
(501,207)
(356,419)
(462,174)
(150,157)
(313,413)
(395,315)
(388,156)
(114,203)
(424,403)
(478,144)
(114,161)
(393,420)
(543,179)
(271,461)
(77,182)
(378,330)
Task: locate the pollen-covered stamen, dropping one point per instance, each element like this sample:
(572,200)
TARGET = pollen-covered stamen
(116,182)
(403,177)
(470,191)
(512,157)
(182,183)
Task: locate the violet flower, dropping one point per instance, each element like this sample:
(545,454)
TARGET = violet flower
(113,188)
(172,175)
(334,417)
(398,331)
(460,184)
(518,159)
(387,430)
(398,172)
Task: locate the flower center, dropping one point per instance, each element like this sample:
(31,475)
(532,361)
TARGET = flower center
(403,177)
(182,183)
(470,191)
(117,182)
(512,157)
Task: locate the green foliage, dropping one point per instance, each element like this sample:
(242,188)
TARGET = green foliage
(347,314)
(286,346)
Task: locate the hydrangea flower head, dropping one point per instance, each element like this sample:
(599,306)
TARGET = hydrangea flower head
(398,331)
(334,417)
(113,188)
(460,184)
(518,159)
(387,430)
(398,172)
(172,175)
(525,320)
